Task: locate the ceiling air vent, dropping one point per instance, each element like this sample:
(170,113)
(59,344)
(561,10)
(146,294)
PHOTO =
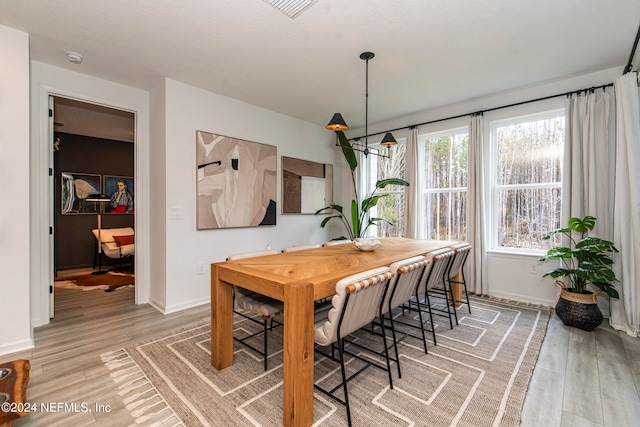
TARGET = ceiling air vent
(291,8)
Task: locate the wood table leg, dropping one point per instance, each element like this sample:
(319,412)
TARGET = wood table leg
(456,289)
(221,321)
(298,355)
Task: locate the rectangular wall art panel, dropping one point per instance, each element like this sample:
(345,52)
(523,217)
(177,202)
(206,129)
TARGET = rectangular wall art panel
(236,182)
(76,187)
(120,189)
(306,186)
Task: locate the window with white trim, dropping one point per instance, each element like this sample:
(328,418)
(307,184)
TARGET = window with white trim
(526,179)
(444,179)
(392,207)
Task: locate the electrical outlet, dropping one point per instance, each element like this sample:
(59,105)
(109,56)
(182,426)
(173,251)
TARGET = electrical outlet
(201,268)
(175,213)
(533,268)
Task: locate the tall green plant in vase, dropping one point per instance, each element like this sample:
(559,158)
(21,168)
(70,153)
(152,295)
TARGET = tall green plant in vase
(357,219)
(587,260)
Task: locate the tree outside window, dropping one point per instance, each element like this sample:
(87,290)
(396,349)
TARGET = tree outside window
(445,184)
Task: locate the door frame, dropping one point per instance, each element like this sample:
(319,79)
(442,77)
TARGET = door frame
(42,269)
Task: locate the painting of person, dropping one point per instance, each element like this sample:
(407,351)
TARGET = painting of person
(121,198)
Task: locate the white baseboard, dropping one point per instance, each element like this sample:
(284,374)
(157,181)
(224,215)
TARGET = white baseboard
(178,307)
(521,298)
(17,346)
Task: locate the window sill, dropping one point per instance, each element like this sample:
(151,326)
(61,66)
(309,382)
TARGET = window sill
(517,254)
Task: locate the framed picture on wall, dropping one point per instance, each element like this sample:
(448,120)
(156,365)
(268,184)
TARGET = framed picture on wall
(236,182)
(306,186)
(120,189)
(75,189)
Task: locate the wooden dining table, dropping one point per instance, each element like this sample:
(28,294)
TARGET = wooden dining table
(298,279)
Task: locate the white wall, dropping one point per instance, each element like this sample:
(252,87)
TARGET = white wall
(49,80)
(157,187)
(189,109)
(15,333)
(513,276)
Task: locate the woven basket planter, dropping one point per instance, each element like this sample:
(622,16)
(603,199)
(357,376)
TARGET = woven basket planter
(578,310)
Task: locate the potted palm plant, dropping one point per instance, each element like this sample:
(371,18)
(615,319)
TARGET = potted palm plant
(587,260)
(357,220)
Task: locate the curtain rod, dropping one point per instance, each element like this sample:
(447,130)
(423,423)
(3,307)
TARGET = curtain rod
(629,66)
(574,92)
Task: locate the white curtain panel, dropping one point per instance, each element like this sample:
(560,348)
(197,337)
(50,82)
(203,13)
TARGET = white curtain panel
(586,178)
(413,197)
(625,312)
(586,183)
(476,266)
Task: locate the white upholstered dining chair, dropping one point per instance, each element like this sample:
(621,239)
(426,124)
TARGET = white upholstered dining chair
(300,248)
(337,242)
(356,303)
(252,304)
(409,273)
(437,292)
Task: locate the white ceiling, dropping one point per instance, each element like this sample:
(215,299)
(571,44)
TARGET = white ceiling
(80,118)
(428,52)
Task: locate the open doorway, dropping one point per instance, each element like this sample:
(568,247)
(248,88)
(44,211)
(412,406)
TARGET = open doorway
(93,154)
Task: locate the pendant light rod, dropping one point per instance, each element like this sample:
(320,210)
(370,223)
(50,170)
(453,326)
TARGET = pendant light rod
(366,56)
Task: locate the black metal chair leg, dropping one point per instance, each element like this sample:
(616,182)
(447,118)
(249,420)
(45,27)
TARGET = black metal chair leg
(424,339)
(433,327)
(265,345)
(453,302)
(466,294)
(395,341)
(386,355)
(344,380)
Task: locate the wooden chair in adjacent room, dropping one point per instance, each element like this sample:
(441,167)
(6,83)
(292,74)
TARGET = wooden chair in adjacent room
(356,303)
(252,304)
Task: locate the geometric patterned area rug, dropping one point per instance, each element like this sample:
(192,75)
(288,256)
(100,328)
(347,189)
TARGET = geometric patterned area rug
(476,375)
(109,281)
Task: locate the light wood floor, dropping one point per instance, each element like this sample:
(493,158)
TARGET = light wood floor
(585,379)
(581,379)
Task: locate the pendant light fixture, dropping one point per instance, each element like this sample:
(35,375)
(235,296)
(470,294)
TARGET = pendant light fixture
(337,123)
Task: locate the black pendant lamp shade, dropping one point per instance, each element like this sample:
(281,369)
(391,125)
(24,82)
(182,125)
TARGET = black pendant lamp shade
(388,140)
(337,123)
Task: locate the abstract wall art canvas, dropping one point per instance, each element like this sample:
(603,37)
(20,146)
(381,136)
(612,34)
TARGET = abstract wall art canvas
(236,182)
(75,189)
